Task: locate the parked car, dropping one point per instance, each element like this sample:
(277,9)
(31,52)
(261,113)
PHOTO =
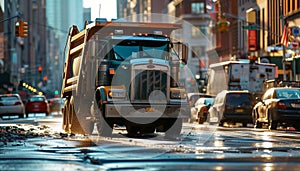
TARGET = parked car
(56,105)
(37,105)
(193,97)
(232,107)
(200,110)
(278,105)
(11,105)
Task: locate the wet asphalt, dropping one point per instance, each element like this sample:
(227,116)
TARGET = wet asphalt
(40,144)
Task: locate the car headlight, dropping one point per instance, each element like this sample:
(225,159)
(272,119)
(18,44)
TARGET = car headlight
(178,94)
(117,93)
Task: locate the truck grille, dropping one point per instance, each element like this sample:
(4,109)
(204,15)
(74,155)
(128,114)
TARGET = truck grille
(146,81)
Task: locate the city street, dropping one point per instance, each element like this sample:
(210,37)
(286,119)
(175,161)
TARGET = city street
(199,146)
(152,85)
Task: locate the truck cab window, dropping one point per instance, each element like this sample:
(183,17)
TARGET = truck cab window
(142,49)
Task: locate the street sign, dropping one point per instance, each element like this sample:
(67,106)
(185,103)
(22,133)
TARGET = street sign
(252,43)
(296,31)
(251,27)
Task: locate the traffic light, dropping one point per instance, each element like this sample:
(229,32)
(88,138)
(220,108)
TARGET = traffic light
(17,28)
(223,25)
(40,69)
(24,29)
(21,29)
(45,79)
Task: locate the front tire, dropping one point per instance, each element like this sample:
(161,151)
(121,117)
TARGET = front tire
(104,127)
(21,115)
(132,131)
(174,129)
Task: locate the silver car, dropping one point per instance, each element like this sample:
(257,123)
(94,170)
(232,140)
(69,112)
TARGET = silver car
(11,106)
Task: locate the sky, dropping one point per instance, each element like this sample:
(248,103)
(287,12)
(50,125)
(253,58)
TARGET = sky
(107,8)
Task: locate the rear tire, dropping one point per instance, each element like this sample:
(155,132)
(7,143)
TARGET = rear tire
(256,123)
(221,123)
(272,123)
(297,127)
(79,123)
(201,118)
(65,125)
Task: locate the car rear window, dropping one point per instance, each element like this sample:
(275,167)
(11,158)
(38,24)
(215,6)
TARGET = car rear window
(209,101)
(9,98)
(287,93)
(36,99)
(235,99)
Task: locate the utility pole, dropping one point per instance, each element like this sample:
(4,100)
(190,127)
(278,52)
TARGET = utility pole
(283,46)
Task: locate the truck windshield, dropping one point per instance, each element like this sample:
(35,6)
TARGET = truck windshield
(140,49)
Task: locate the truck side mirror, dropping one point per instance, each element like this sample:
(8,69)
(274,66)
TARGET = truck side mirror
(181,50)
(184,55)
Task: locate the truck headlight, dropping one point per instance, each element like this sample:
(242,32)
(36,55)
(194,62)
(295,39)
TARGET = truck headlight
(178,94)
(117,93)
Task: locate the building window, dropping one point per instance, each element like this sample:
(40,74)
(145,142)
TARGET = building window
(203,30)
(199,31)
(196,32)
(198,8)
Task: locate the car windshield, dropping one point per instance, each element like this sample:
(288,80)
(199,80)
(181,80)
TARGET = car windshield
(36,99)
(287,93)
(238,99)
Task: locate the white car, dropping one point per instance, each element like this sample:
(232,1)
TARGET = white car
(11,106)
(199,111)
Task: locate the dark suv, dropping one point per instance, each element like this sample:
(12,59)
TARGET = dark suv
(232,107)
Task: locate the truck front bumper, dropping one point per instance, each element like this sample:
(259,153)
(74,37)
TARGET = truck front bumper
(117,110)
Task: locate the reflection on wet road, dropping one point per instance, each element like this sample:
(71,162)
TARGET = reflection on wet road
(200,146)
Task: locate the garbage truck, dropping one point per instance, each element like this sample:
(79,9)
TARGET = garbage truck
(126,74)
(240,75)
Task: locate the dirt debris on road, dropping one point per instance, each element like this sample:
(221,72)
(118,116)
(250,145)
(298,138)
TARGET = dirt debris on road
(15,135)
